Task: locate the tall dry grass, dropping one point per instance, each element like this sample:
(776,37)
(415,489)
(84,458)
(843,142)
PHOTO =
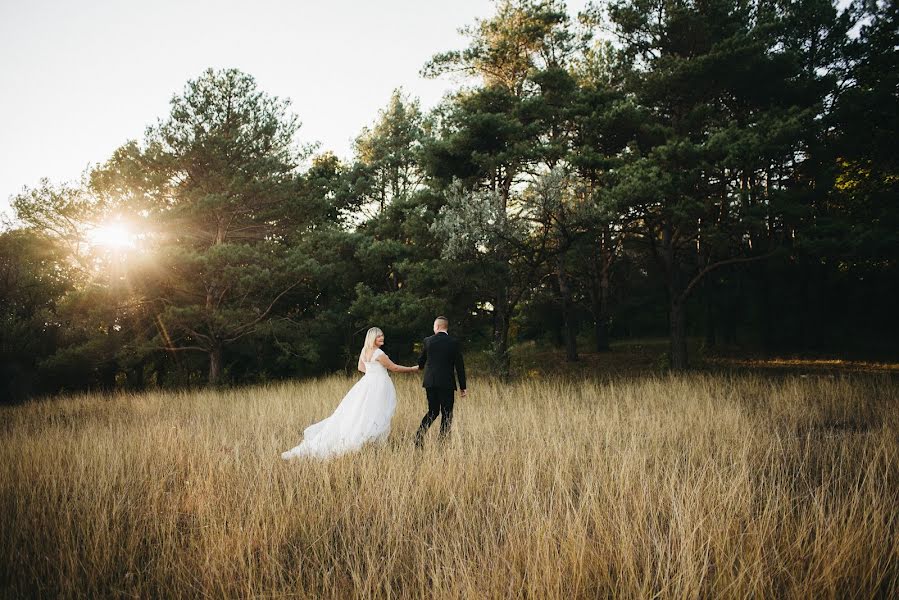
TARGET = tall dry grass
(695,486)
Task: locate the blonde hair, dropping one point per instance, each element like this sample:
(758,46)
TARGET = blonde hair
(370,338)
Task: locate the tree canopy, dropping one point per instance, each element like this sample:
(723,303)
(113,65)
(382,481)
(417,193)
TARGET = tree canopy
(720,170)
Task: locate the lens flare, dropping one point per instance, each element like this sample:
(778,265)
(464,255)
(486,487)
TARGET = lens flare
(114,236)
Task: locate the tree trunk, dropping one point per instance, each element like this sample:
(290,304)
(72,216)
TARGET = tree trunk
(764,304)
(601,332)
(805,301)
(710,328)
(600,292)
(678,326)
(502,309)
(501,333)
(733,309)
(605,290)
(107,376)
(135,377)
(567,320)
(677,317)
(215,365)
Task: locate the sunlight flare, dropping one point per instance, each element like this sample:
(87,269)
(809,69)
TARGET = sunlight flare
(112,236)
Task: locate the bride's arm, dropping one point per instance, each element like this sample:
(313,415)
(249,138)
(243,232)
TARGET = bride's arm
(361,365)
(391,366)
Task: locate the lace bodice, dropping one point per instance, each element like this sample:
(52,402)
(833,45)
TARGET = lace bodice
(373,367)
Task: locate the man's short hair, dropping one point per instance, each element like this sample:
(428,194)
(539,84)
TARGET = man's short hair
(442,320)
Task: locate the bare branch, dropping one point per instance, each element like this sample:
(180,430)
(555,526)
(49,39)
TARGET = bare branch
(240,331)
(180,348)
(721,263)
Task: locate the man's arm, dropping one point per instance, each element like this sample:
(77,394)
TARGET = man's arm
(423,357)
(460,370)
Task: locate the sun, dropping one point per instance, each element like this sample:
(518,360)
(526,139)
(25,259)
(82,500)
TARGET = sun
(112,236)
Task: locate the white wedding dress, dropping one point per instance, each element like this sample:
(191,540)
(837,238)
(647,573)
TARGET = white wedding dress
(362,416)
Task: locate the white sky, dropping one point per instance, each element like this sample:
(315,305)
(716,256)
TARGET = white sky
(79,78)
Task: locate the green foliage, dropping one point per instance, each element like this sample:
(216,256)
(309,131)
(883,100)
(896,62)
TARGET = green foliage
(523,35)
(387,167)
(35,276)
(656,167)
(228,159)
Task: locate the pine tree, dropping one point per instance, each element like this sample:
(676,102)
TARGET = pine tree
(219,177)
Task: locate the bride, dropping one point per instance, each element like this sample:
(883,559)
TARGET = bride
(365,412)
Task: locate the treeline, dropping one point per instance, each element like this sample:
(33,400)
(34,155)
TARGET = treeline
(720,168)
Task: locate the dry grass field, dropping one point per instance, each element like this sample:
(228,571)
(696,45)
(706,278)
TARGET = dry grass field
(650,487)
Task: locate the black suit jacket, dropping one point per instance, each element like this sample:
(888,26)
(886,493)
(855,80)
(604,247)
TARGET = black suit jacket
(440,357)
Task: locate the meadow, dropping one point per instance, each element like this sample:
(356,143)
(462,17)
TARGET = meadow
(654,486)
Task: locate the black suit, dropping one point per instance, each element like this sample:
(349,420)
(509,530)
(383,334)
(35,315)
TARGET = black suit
(441,359)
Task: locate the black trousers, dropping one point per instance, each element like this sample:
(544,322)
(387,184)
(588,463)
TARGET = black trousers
(440,402)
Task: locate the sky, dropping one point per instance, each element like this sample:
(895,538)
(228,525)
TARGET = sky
(79,78)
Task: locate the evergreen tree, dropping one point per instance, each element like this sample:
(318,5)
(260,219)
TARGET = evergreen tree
(719,167)
(219,176)
(35,274)
(492,139)
(386,166)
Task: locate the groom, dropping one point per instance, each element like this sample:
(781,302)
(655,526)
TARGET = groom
(441,359)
